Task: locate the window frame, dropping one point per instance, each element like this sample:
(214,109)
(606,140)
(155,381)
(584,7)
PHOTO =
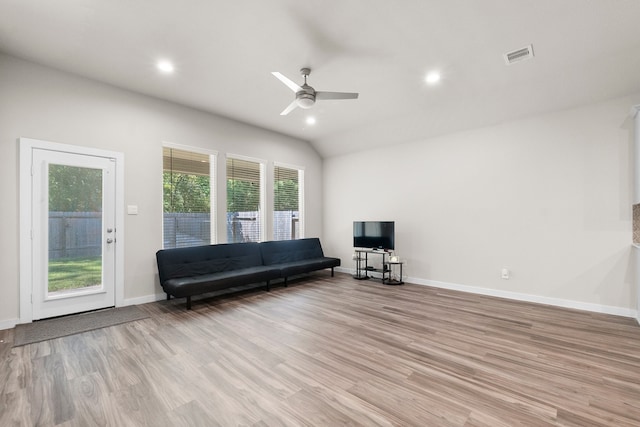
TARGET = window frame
(301,212)
(213,185)
(263,192)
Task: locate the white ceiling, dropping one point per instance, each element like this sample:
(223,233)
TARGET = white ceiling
(225,51)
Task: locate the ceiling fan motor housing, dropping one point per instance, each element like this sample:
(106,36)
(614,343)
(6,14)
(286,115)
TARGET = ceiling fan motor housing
(306,97)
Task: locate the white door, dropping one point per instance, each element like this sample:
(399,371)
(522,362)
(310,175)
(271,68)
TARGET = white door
(73,232)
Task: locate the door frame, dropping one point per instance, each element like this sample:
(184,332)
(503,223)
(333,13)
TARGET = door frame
(27,145)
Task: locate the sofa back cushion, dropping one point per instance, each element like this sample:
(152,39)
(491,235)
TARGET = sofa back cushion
(283,251)
(198,260)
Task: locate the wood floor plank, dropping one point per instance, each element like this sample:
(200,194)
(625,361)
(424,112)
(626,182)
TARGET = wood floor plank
(14,409)
(92,402)
(192,414)
(358,410)
(138,405)
(332,351)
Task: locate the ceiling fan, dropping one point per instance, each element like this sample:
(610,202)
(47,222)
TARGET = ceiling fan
(306,95)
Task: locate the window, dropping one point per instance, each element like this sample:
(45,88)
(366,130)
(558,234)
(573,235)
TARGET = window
(188,189)
(286,203)
(244,200)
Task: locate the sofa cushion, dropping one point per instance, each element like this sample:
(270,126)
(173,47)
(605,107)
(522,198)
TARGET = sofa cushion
(283,251)
(306,266)
(296,256)
(199,260)
(194,285)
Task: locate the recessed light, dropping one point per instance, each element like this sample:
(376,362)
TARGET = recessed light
(165,66)
(432,78)
(311,120)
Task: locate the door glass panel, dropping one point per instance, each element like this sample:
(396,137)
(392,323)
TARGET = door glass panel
(75,230)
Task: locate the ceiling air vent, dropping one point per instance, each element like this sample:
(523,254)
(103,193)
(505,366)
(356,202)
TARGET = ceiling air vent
(519,55)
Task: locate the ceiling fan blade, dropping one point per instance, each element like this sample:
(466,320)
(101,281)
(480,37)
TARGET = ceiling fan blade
(290,84)
(336,95)
(289,108)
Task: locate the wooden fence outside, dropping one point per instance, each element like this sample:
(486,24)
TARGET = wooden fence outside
(79,234)
(75,234)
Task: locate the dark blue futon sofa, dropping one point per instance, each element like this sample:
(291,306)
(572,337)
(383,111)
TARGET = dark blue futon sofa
(185,272)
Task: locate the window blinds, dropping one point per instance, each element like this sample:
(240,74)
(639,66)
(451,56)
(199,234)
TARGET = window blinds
(188,162)
(286,196)
(243,185)
(186,198)
(285,188)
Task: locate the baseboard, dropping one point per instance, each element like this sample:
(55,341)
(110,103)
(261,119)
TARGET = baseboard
(8,324)
(576,305)
(145,299)
(558,302)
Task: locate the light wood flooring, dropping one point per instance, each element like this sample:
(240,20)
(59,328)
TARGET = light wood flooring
(330,352)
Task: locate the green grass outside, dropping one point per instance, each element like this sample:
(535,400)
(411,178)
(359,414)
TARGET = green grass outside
(74,273)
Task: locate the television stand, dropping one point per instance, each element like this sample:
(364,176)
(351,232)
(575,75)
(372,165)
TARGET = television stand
(364,271)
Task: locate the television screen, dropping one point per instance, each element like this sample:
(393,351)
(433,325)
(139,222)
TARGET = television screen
(374,234)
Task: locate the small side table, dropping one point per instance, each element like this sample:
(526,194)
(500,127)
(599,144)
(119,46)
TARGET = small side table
(390,267)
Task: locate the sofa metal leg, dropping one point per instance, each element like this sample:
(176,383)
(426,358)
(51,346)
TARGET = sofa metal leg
(285,282)
(331,271)
(268,287)
(188,303)
(168,297)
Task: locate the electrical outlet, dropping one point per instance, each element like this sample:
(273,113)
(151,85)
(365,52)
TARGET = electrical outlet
(505,273)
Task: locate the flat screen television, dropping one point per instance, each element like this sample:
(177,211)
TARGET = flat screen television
(374,234)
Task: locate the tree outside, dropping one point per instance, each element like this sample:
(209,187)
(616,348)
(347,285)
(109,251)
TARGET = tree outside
(75,189)
(187,193)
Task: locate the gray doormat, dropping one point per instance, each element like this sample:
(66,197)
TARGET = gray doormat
(43,330)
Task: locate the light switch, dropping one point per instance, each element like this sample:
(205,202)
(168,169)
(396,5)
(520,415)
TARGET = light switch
(132,209)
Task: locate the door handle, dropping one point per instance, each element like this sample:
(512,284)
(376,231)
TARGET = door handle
(109,240)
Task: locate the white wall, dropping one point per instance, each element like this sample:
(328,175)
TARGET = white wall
(42,103)
(548,197)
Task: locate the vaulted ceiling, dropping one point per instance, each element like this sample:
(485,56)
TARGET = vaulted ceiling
(224,53)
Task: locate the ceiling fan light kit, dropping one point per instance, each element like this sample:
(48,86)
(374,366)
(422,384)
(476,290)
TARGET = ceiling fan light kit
(306,100)
(306,96)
